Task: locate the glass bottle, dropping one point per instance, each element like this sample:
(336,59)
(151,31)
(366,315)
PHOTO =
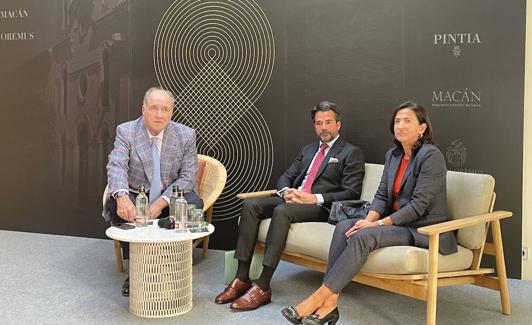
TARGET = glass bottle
(142,209)
(173,200)
(181,213)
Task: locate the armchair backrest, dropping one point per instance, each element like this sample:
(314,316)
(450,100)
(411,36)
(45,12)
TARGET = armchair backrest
(212,181)
(468,194)
(372,179)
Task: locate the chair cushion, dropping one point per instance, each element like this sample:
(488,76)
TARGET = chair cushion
(469,195)
(411,260)
(314,238)
(372,179)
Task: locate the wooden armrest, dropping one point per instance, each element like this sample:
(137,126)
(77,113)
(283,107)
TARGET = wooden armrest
(251,195)
(464,222)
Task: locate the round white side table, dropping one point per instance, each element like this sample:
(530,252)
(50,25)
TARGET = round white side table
(160,269)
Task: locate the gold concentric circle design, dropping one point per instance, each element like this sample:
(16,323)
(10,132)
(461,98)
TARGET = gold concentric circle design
(217,57)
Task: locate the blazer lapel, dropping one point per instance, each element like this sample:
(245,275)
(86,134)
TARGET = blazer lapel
(408,171)
(305,163)
(336,148)
(395,160)
(143,147)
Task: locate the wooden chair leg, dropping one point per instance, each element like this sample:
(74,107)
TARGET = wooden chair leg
(118,256)
(501,267)
(432,290)
(208,218)
(205,246)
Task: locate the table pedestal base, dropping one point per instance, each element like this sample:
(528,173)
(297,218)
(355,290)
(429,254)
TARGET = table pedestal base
(160,278)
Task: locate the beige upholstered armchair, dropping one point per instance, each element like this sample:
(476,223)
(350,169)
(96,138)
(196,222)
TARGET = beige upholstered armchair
(412,271)
(210,184)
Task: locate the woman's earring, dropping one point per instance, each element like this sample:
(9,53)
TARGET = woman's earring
(421,135)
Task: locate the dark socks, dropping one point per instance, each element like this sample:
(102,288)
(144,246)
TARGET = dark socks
(265,278)
(242,273)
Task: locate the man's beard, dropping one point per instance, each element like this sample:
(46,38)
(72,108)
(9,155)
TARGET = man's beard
(326,136)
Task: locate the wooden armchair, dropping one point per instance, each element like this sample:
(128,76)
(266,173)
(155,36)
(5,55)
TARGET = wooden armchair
(210,187)
(413,271)
(212,177)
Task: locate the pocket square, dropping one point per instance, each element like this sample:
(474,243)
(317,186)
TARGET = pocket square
(332,160)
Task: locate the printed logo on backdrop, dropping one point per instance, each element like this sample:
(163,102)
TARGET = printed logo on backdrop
(456,41)
(456,98)
(13,16)
(456,156)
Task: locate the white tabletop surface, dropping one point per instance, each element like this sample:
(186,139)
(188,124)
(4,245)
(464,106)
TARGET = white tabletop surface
(152,233)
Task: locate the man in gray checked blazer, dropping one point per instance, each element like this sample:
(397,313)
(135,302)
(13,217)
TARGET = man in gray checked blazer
(131,162)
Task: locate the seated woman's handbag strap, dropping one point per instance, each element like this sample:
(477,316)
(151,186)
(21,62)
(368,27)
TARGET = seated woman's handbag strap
(349,209)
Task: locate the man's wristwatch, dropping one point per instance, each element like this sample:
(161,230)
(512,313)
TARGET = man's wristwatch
(380,222)
(119,194)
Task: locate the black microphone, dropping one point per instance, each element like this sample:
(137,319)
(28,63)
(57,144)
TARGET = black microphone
(166,223)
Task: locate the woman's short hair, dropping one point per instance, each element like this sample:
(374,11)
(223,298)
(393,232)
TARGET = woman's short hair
(422,117)
(324,107)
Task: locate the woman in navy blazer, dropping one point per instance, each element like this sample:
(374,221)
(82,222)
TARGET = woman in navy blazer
(412,193)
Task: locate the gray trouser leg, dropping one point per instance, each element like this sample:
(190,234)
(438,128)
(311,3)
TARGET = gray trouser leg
(284,215)
(253,211)
(338,242)
(350,258)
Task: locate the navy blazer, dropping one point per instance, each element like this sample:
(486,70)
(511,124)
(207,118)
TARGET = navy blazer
(422,196)
(339,177)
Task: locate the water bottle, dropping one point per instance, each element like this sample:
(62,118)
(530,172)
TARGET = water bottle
(181,213)
(173,200)
(143,209)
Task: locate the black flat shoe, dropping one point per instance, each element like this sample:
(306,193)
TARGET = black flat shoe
(125,288)
(290,313)
(314,319)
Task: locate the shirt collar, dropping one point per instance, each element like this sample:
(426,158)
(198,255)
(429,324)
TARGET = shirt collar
(159,136)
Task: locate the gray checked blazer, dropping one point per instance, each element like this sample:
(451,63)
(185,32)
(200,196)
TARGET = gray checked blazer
(423,195)
(130,163)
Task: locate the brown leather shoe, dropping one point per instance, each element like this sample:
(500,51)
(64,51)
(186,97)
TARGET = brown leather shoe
(253,299)
(233,291)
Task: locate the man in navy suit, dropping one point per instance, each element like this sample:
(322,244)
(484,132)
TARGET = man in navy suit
(327,170)
(151,137)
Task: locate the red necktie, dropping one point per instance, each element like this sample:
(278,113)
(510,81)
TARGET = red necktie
(307,187)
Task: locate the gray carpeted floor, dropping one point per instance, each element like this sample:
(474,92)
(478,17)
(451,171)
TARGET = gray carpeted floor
(49,279)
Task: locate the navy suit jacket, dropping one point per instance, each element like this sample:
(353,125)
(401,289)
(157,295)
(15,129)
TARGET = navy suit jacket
(422,197)
(339,177)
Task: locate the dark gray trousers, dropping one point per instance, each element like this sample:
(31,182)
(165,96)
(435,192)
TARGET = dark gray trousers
(282,214)
(348,255)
